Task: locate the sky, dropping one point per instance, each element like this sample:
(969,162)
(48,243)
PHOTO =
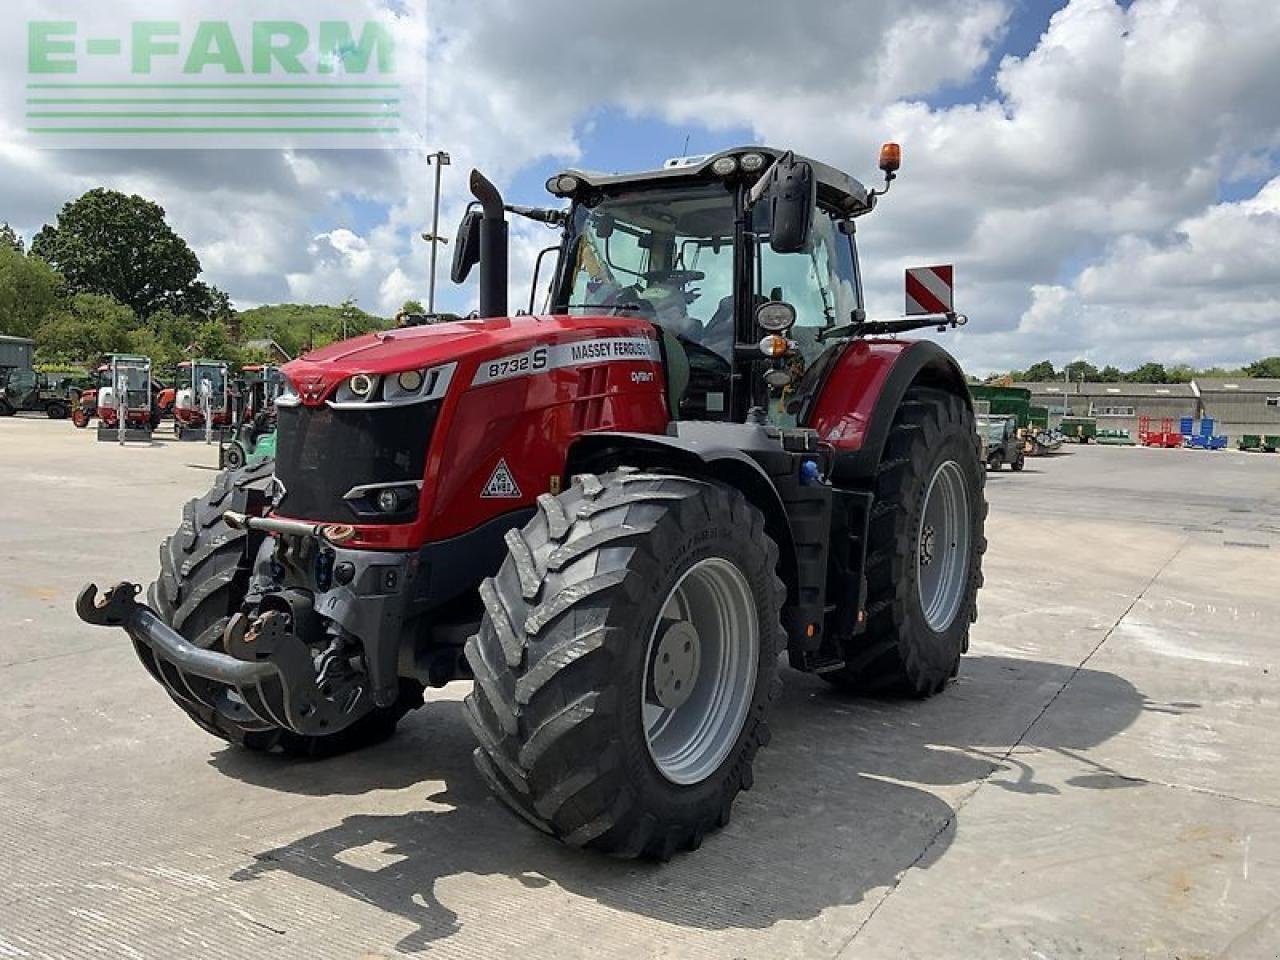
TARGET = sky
(1105,176)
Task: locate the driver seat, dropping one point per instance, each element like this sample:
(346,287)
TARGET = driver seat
(676,363)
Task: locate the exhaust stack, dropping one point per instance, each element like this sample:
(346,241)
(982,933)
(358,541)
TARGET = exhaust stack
(493,247)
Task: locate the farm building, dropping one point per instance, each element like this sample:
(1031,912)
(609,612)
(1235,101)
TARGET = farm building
(1118,406)
(16,352)
(1241,406)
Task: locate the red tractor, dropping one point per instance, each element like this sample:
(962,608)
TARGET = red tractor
(612,518)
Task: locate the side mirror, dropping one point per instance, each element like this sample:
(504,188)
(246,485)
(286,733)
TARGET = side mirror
(792,197)
(466,248)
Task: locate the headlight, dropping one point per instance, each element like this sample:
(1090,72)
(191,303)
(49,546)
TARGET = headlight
(288,395)
(388,500)
(776,316)
(725,166)
(393,389)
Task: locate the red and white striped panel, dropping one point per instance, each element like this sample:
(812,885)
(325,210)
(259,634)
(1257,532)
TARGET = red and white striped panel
(930,290)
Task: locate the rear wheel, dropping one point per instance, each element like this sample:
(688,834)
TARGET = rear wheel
(924,554)
(626,662)
(204,574)
(1020,462)
(56,410)
(6,408)
(233,456)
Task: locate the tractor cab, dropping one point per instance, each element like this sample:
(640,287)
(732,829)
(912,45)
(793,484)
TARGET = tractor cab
(202,403)
(745,261)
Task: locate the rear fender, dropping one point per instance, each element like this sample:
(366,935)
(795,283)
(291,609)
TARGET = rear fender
(854,404)
(739,455)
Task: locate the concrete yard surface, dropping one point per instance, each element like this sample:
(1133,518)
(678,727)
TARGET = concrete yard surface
(1100,781)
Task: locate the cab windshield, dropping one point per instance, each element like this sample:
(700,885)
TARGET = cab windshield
(664,254)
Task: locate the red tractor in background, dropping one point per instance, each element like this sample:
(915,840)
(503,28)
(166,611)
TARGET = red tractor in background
(202,400)
(612,518)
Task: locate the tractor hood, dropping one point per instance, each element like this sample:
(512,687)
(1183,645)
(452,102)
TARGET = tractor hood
(467,341)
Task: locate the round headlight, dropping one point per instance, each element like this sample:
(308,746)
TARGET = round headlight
(751,162)
(388,501)
(361,384)
(776,316)
(774,345)
(724,166)
(410,381)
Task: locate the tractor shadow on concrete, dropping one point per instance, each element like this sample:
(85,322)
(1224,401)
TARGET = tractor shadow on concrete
(844,802)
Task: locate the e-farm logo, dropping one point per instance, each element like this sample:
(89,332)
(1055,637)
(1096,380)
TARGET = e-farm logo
(225,82)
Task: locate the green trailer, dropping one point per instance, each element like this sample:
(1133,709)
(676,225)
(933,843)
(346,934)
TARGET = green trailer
(1253,441)
(1079,429)
(1007,402)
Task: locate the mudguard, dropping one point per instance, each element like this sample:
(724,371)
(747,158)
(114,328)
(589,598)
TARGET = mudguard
(854,395)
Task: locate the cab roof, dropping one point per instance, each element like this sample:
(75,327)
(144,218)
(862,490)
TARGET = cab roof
(836,190)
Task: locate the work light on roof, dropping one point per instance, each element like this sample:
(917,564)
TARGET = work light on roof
(563,185)
(724,166)
(752,162)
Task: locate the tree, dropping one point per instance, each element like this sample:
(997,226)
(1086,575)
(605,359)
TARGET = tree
(1181,373)
(10,239)
(30,291)
(1039,372)
(413,306)
(121,246)
(1078,370)
(1110,374)
(1266,367)
(1148,373)
(92,325)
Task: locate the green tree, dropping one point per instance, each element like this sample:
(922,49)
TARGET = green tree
(92,324)
(1110,374)
(1266,367)
(1079,370)
(1148,373)
(30,290)
(121,246)
(10,239)
(1039,372)
(1181,373)
(412,306)
(299,327)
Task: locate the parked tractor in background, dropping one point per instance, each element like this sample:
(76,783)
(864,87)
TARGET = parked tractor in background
(1003,441)
(25,389)
(202,401)
(253,418)
(613,518)
(125,403)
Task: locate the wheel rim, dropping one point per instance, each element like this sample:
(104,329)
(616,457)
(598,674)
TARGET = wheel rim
(700,671)
(942,546)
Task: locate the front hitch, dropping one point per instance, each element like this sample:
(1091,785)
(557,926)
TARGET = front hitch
(273,671)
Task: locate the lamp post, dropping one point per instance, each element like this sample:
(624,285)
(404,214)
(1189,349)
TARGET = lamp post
(441,160)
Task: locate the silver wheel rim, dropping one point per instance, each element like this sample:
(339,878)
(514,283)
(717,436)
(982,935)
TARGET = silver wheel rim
(942,546)
(700,671)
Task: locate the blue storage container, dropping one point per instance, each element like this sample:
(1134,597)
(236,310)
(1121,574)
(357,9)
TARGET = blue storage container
(1206,426)
(1186,426)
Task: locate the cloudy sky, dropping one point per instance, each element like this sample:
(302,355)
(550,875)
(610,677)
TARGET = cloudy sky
(1104,175)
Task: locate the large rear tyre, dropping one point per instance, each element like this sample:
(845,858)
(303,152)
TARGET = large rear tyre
(204,574)
(56,410)
(924,553)
(626,662)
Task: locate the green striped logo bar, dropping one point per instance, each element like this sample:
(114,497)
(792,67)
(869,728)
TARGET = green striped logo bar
(346,74)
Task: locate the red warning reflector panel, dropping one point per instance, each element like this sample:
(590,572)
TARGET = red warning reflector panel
(930,290)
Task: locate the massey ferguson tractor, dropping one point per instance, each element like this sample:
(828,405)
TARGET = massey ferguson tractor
(612,517)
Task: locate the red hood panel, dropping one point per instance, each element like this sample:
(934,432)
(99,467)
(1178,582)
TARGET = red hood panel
(414,347)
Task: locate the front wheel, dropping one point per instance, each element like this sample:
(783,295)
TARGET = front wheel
(626,662)
(924,552)
(233,457)
(80,417)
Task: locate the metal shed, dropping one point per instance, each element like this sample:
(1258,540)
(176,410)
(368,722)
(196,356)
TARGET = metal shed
(1241,406)
(17,352)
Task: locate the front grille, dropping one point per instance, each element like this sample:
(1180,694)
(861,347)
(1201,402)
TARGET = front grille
(321,453)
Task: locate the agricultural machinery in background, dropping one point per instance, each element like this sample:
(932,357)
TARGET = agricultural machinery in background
(252,436)
(613,517)
(27,390)
(202,401)
(125,403)
(1003,441)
